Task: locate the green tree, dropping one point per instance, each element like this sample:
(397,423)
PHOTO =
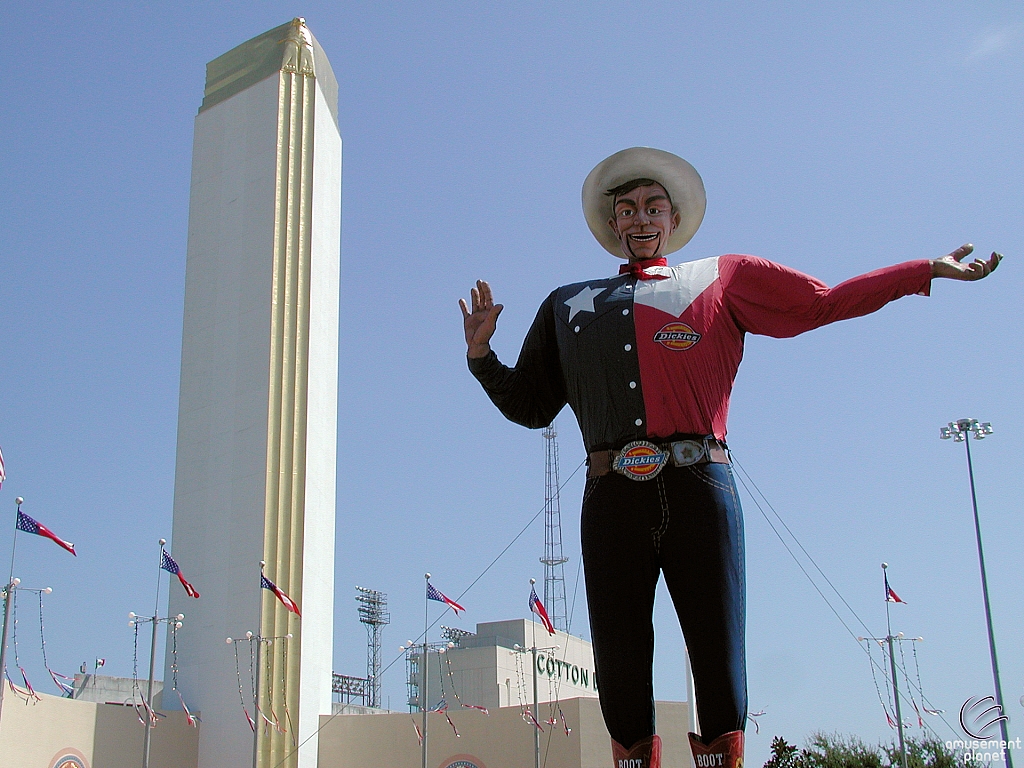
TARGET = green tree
(835,751)
(926,753)
(783,754)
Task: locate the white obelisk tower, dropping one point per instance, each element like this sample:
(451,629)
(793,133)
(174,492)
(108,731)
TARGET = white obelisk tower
(257,421)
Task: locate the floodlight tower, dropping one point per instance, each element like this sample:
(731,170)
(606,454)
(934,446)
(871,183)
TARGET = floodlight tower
(961,431)
(373,612)
(554,579)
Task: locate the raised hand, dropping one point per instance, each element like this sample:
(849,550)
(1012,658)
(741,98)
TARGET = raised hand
(481,321)
(951,265)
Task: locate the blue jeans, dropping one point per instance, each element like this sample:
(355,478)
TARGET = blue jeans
(687,524)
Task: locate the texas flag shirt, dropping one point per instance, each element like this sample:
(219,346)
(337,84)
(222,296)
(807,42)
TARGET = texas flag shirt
(654,358)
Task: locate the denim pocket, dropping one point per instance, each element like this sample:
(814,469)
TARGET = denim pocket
(712,477)
(589,488)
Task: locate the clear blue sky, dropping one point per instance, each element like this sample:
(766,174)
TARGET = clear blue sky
(835,138)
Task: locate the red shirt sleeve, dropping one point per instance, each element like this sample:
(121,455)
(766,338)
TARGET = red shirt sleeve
(772,300)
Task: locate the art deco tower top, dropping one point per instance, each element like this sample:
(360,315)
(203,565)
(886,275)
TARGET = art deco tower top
(290,47)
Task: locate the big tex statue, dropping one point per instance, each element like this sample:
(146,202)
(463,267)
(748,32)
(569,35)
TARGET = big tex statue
(646,360)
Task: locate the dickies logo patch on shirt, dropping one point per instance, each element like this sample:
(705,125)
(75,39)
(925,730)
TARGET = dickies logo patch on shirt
(677,336)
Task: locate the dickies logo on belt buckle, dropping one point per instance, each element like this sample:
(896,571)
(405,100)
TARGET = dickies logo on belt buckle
(640,460)
(687,452)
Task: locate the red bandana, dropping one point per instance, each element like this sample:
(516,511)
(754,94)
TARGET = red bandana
(637,268)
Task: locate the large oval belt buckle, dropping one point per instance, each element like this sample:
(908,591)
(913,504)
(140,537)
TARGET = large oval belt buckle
(640,460)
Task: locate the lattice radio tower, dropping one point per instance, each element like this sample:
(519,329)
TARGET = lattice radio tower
(554,580)
(373,612)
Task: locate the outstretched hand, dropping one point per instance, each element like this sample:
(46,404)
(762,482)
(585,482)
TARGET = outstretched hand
(482,321)
(951,265)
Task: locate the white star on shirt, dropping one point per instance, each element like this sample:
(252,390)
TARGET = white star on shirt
(583,301)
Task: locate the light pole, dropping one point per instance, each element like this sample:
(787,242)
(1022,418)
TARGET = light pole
(889,637)
(424,700)
(133,621)
(960,431)
(8,593)
(411,647)
(536,712)
(255,637)
(424,648)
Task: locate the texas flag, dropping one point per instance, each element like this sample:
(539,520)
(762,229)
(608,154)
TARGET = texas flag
(28,525)
(285,600)
(434,594)
(890,596)
(168,564)
(538,607)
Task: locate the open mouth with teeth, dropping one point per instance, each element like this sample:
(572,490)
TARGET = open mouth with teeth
(644,237)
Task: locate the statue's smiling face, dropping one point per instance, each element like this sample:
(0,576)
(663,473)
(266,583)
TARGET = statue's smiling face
(643,220)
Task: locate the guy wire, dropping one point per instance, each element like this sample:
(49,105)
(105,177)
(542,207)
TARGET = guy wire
(818,568)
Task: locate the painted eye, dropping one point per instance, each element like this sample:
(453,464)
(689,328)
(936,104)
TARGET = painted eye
(626,213)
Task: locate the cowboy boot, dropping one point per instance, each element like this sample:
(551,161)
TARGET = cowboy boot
(646,753)
(724,752)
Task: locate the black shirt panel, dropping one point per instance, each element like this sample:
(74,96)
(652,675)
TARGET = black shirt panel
(580,350)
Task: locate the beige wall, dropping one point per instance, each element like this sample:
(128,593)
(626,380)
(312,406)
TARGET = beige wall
(35,735)
(110,736)
(499,740)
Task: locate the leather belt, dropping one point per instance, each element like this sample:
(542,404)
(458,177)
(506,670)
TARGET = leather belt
(643,460)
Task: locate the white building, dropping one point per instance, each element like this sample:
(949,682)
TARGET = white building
(494,667)
(257,419)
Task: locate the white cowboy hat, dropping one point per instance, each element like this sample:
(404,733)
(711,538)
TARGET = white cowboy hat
(678,177)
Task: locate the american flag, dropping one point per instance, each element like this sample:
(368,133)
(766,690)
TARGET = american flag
(168,564)
(28,525)
(3,475)
(538,607)
(434,594)
(285,600)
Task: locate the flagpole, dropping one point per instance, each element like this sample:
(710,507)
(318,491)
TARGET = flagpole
(152,661)
(14,546)
(259,672)
(892,666)
(12,584)
(423,694)
(536,712)
(8,600)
